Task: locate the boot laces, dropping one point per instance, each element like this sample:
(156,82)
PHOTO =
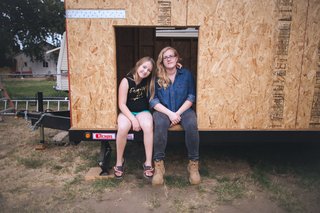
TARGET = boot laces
(193,165)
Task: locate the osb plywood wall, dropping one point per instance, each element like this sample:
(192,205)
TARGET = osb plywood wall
(258,61)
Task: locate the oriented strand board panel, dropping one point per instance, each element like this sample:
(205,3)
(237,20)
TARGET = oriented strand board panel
(288,62)
(92,73)
(250,63)
(308,106)
(258,61)
(234,62)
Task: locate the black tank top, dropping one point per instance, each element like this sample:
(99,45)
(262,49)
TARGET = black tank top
(137,95)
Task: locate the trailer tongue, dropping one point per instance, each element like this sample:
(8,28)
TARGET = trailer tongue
(61,120)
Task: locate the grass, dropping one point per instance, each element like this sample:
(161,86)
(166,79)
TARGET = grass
(260,176)
(283,195)
(71,187)
(100,185)
(229,190)
(272,165)
(176,181)
(32,162)
(75,181)
(57,167)
(21,88)
(179,205)
(154,202)
(310,180)
(286,198)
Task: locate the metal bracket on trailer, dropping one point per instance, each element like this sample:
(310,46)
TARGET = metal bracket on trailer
(104,158)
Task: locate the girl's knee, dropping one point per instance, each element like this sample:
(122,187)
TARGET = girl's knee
(147,127)
(123,129)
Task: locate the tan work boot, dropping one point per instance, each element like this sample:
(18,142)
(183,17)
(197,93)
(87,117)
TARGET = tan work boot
(193,169)
(159,171)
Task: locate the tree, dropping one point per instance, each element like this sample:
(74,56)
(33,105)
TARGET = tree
(27,25)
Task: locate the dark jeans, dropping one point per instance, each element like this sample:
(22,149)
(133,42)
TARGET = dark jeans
(160,137)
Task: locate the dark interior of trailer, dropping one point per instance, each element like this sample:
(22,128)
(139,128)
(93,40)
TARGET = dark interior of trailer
(133,43)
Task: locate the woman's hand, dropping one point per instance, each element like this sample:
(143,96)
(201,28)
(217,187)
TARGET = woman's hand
(174,118)
(135,125)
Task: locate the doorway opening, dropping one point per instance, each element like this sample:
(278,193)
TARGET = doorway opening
(133,43)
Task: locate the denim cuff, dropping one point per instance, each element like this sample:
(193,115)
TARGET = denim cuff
(191,98)
(194,159)
(154,102)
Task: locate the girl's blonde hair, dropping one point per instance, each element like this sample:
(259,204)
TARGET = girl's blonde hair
(161,75)
(134,73)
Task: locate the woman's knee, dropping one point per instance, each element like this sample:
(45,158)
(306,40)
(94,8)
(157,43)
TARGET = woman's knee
(189,121)
(190,126)
(160,120)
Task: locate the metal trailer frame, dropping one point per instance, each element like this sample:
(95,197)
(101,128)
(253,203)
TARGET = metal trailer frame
(61,120)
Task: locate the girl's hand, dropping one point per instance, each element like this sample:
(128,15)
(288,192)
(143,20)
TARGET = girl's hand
(135,125)
(179,66)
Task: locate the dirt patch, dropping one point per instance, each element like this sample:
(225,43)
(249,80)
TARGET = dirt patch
(235,178)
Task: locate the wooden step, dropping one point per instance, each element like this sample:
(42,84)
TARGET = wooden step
(94,174)
(177,127)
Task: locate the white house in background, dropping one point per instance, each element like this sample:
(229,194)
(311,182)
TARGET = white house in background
(62,82)
(24,65)
(62,67)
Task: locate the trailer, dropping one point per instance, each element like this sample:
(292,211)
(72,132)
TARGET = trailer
(256,64)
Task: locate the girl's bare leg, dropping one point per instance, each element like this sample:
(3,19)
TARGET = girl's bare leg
(124,126)
(146,123)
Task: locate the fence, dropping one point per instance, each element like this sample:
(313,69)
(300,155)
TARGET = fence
(33,105)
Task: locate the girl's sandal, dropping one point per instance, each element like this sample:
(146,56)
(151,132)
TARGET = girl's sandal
(147,171)
(119,171)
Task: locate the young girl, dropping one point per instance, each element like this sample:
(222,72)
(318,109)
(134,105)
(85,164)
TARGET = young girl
(135,114)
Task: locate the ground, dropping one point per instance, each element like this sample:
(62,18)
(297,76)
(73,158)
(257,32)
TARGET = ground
(235,177)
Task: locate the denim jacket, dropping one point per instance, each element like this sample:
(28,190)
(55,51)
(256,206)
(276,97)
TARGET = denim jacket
(182,89)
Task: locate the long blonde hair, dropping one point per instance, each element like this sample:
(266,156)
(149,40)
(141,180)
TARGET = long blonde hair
(161,75)
(134,73)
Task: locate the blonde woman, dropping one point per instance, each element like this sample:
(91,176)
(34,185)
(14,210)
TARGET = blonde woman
(172,97)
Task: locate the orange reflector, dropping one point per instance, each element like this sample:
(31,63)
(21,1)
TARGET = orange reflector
(87,135)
